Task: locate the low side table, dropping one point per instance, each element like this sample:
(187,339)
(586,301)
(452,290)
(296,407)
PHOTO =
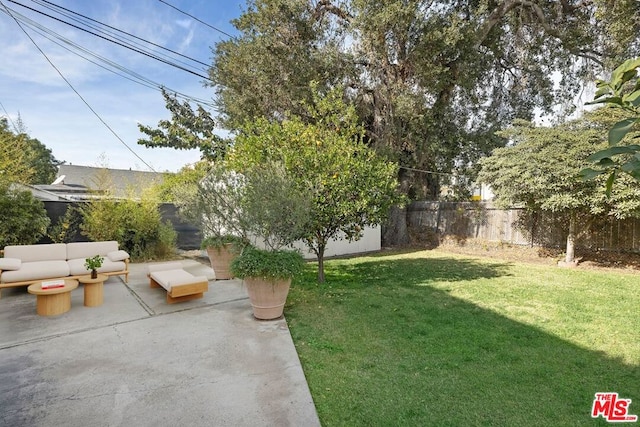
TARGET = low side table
(51,302)
(93,290)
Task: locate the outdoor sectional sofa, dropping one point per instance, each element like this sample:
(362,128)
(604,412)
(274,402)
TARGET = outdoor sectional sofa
(26,264)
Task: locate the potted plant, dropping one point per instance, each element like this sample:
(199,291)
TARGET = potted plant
(267,275)
(93,264)
(221,251)
(213,203)
(275,213)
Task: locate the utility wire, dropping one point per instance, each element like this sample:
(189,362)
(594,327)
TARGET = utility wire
(9,118)
(198,19)
(157,58)
(132,43)
(112,66)
(121,31)
(74,89)
(425,171)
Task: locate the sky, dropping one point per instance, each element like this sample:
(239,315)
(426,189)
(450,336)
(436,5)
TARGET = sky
(30,87)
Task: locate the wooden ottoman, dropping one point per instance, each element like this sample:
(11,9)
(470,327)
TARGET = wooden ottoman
(179,284)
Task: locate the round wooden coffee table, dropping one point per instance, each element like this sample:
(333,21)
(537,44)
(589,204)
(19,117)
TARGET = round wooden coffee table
(93,290)
(51,302)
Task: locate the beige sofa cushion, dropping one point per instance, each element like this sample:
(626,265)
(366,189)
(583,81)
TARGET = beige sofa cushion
(36,271)
(76,266)
(89,249)
(10,263)
(169,278)
(30,253)
(117,255)
(174,265)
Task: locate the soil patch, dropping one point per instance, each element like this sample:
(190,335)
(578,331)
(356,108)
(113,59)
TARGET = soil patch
(627,261)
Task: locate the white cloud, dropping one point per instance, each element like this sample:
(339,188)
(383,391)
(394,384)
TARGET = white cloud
(184,23)
(56,116)
(186,42)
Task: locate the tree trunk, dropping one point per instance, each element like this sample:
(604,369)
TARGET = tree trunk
(571,240)
(397,232)
(320,255)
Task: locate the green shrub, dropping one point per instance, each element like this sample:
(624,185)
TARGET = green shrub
(279,264)
(136,225)
(219,241)
(23,219)
(67,226)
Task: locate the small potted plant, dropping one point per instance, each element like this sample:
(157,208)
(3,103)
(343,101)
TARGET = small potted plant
(222,250)
(267,275)
(93,264)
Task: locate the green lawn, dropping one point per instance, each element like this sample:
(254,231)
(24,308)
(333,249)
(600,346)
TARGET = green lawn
(431,338)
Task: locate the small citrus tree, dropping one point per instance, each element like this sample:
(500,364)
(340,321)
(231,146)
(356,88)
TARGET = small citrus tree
(349,186)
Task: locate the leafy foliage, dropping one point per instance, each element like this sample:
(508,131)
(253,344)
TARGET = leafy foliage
(541,171)
(67,226)
(349,186)
(23,219)
(275,207)
(93,263)
(136,225)
(268,264)
(186,130)
(622,92)
(214,204)
(237,243)
(24,159)
(431,83)
(178,187)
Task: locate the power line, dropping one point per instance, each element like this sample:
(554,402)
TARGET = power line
(111,66)
(150,55)
(121,31)
(74,89)
(197,19)
(426,171)
(9,118)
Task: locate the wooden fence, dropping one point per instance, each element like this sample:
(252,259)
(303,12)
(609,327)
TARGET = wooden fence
(473,220)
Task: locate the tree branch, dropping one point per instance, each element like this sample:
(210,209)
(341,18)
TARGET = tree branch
(325,6)
(508,5)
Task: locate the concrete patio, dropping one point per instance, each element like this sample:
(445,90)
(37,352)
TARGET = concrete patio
(136,360)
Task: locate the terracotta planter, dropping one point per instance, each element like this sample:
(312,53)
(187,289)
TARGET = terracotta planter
(220,259)
(267,296)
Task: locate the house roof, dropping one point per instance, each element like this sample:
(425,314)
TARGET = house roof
(82,182)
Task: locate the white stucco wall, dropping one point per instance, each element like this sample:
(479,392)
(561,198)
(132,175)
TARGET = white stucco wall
(370,241)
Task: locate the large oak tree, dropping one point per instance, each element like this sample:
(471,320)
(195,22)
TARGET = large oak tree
(432,80)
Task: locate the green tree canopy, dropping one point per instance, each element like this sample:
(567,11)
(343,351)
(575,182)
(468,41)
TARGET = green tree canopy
(432,82)
(23,219)
(350,186)
(24,159)
(622,155)
(540,170)
(187,130)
